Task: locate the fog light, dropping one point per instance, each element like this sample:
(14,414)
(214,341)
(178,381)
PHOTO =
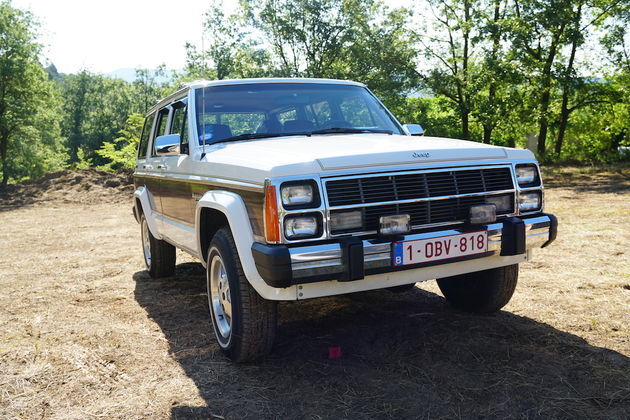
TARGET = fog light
(503,203)
(345,221)
(300,227)
(395,225)
(529,201)
(483,213)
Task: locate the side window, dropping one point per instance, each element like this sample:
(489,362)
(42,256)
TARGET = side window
(160,128)
(144,138)
(287,116)
(185,128)
(179,124)
(319,113)
(356,112)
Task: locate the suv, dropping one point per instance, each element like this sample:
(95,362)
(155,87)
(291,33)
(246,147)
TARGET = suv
(291,189)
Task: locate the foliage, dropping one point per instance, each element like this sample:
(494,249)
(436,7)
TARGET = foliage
(95,107)
(29,131)
(121,152)
(515,73)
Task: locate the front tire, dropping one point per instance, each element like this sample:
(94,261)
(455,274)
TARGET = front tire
(482,291)
(244,323)
(159,256)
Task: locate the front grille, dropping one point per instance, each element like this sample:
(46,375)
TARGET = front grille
(390,189)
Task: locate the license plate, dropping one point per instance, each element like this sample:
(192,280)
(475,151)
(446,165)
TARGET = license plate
(442,248)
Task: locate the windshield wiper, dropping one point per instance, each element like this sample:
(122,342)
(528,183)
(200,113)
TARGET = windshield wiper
(333,130)
(342,130)
(250,136)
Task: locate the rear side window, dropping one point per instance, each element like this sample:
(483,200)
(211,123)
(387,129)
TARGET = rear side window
(179,117)
(161,125)
(144,138)
(160,128)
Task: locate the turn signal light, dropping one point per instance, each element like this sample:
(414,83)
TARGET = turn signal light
(272,227)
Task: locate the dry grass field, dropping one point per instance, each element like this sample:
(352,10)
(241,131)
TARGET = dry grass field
(84,332)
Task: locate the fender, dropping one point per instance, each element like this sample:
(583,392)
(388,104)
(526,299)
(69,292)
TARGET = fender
(142,194)
(233,207)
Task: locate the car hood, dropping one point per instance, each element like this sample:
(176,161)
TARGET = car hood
(254,160)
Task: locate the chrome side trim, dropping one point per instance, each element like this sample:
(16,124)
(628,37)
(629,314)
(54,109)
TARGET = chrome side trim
(204,180)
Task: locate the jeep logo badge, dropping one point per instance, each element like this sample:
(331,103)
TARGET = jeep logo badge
(421,155)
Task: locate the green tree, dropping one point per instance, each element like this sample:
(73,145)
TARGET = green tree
(149,86)
(29,133)
(95,108)
(121,152)
(451,48)
(229,49)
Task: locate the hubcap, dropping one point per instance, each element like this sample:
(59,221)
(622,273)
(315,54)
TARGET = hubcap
(219,296)
(146,243)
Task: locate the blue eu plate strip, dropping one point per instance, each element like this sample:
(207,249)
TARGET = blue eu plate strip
(398,254)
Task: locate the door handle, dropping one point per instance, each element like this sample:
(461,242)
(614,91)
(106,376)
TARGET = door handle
(147,167)
(161,166)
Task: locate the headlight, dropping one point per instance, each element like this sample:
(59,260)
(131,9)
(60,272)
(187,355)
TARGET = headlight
(504,203)
(527,175)
(303,226)
(529,201)
(297,195)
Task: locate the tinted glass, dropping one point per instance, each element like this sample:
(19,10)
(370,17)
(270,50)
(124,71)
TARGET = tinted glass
(160,129)
(276,108)
(162,119)
(144,138)
(178,119)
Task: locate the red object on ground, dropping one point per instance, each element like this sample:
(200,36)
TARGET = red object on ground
(334,352)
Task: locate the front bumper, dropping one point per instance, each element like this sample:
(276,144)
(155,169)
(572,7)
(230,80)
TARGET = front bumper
(353,258)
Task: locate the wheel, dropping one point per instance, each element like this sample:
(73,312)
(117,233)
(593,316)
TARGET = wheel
(482,291)
(402,288)
(244,323)
(159,256)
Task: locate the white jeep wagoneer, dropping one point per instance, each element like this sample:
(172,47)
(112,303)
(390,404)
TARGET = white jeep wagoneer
(291,189)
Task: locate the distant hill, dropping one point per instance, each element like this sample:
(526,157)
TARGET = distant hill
(129,75)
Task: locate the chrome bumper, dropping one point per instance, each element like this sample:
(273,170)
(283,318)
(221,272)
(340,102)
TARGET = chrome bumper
(353,258)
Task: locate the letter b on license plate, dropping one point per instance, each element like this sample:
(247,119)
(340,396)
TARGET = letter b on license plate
(441,248)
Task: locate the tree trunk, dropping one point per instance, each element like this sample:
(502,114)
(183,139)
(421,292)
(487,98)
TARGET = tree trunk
(543,121)
(4,145)
(488,127)
(464,106)
(487,133)
(545,97)
(465,124)
(564,120)
(564,110)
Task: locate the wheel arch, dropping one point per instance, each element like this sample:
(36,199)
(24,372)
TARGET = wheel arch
(142,205)
(210,221)
(229,208)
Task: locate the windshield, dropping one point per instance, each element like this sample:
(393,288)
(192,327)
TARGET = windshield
(259,110)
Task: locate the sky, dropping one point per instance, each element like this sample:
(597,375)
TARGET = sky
(103,36)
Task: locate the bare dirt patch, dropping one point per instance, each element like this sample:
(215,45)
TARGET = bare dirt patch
(89,186)
(84,332)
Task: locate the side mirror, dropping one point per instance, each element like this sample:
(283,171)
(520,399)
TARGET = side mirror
(414,129)
(167,145)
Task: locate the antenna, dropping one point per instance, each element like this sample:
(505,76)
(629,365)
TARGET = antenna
(203,90)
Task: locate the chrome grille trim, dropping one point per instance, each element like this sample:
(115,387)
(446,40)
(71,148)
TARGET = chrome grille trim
(401,183)
(418,200)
